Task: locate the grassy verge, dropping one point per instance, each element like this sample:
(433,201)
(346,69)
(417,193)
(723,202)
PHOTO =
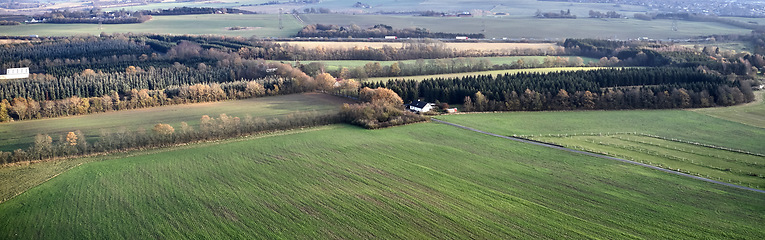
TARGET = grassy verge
(416,181)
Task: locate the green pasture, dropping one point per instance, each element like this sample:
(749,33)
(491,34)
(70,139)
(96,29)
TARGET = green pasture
(264,25)
(335,65)
(494,72)
(526,26)
(751,114)
(726,166)
(516,7)
(678,124)
(20,134)
(411,182)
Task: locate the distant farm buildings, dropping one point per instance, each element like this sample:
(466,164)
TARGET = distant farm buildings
(16,73)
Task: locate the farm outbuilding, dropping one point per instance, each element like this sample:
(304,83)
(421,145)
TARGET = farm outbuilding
(419,106)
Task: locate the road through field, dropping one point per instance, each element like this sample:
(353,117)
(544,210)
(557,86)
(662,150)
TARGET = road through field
(597,155)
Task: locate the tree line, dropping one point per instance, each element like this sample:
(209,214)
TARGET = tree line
(75,143)
(441,66)
(629,88)
(376,31)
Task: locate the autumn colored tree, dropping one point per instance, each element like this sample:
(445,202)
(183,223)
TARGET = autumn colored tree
(325,81)
(71,139)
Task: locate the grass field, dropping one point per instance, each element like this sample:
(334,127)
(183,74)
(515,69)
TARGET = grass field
(495,72)
(412,182)
(20,134)
(516,27)
(679,124)
(633,135)
(725,166)
(751,114)
(337,65)
(264,26)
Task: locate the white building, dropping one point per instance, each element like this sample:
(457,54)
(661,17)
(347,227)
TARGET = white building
(419,106)
(16,73)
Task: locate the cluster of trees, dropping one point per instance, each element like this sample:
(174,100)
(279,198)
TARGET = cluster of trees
(441,66)
(377,31)
(193,11)
(93,16)
(561,14)
(75,143)
(8,23)
(606,88)
(28,108)
(381,108)
(636,53)
(609,14)
(91,49)
(91,92)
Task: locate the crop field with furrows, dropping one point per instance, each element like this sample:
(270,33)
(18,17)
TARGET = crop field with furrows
(20,134)
(423,180)
(735,167)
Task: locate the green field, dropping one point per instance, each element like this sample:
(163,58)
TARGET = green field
(529,27)
(412,182)
(725,166)
(638,136)
(20,134)
(265,26)
(679,124)
(338,64)
(751,114)
(494,72)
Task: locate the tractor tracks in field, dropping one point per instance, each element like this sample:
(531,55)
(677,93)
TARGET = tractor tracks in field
(597,155)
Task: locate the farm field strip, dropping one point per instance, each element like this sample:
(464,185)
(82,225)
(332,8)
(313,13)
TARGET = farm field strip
(529,27)
(459,46)
(416,181)
(20,134)
(725,166)
(262,25)
(493,72)
(334,65)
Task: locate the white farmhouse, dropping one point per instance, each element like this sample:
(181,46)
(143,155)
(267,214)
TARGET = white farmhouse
(419,106)
(16,73)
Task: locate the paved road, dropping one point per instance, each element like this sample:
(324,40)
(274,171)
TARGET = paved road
(599,156)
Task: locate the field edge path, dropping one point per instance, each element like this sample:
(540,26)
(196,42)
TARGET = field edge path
(597,155)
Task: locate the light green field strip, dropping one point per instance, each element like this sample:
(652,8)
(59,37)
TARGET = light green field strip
(494,72)
(20,134)
(264,25)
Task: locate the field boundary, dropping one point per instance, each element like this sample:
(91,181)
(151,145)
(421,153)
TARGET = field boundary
(553,146)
